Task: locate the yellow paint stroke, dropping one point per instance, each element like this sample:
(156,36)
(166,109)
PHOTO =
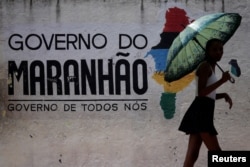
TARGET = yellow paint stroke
(175,86)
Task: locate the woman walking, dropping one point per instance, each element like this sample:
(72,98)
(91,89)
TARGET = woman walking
(198,120)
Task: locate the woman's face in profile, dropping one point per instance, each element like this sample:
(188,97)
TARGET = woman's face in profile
(215,51)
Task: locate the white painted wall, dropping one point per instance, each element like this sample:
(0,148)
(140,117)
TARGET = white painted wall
(112,138)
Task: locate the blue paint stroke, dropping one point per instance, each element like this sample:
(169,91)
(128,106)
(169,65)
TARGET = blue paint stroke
(235,69)
(160,58)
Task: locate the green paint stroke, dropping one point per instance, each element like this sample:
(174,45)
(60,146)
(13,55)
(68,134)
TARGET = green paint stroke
(168,104)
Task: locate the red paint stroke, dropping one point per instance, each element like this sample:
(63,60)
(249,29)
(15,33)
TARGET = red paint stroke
(176,20)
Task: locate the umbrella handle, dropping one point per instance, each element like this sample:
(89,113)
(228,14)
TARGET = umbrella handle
(232,80)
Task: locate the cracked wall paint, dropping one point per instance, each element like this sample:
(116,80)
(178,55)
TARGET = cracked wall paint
(112,138)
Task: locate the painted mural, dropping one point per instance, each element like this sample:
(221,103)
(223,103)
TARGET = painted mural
(176,20)
(82,82)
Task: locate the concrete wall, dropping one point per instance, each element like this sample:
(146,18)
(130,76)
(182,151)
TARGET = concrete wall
(118,129)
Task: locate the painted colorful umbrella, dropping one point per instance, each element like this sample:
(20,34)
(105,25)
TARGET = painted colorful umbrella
(187,50)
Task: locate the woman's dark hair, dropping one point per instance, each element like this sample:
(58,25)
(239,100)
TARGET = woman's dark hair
(209,44)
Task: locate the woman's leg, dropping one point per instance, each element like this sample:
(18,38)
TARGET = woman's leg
(210,141)
(194,145)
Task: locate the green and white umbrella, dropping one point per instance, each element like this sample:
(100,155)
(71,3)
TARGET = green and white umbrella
(187,50)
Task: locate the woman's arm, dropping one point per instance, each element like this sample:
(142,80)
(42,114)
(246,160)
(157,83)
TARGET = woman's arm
(226,97)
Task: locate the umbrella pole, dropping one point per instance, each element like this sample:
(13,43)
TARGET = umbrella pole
(232,80)
(219,67)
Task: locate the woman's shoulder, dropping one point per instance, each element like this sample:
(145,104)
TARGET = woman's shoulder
(203,68)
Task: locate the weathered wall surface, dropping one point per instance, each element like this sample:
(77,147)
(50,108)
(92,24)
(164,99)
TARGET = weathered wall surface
(124,125)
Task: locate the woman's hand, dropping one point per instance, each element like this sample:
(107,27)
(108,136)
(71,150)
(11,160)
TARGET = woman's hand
(228,100)
(225,76)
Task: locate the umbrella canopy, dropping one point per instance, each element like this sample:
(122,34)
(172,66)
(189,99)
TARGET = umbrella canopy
(187,50)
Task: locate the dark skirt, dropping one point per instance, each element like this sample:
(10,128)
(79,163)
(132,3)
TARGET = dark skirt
(199,117)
